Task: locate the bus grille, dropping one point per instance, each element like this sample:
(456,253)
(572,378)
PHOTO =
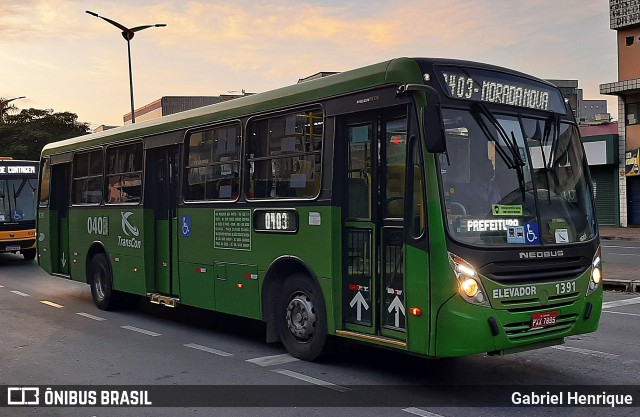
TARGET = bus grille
(524,305)
(535,271)
(521,331)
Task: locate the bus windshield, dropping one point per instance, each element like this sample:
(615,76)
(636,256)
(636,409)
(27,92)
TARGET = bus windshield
(17,199)
(514,179)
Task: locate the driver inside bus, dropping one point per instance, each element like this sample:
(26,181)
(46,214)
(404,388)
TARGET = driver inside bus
(483,191)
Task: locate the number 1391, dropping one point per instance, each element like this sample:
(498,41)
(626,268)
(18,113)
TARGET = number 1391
(566,287)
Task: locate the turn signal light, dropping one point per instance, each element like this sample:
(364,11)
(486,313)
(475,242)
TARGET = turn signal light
(415,311)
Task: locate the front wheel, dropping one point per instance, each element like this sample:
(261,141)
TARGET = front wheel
(29,254)
(301,318)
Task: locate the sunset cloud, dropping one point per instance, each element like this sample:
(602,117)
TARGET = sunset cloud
(213,46)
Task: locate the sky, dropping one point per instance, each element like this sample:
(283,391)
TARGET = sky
(63,59)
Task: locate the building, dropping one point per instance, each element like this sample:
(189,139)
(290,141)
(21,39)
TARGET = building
(585,111)
(600,140)
(175,104)
(102,128)
(601,146)
(625,19)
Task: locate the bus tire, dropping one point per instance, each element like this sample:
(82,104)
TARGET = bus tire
(101,283)
(29,254)
(300,318)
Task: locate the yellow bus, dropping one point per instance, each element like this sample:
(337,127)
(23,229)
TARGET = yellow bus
(18,186)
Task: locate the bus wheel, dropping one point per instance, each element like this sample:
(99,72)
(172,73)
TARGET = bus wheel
(101,283)
(301,319)
(29,254)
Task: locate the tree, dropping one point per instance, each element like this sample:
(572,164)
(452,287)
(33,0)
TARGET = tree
(23,135)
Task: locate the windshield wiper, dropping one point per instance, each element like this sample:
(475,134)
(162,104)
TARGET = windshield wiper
(515,161)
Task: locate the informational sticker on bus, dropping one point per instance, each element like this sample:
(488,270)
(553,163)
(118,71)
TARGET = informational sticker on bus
(507,210)
(232,229)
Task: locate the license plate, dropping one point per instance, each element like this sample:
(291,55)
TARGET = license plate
(547,319)
(11,248)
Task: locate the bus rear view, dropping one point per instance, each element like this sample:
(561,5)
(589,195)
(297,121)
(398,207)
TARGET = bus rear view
(18,185)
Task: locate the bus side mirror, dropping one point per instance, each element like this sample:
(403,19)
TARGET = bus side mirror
(432,117)
(434,129)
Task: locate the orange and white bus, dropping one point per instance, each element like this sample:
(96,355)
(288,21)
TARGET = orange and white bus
(18,190)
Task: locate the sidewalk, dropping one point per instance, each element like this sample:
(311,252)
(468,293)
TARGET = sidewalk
(620,233)
(620,277)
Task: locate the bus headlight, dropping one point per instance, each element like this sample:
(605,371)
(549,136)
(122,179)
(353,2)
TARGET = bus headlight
(469,284)
(470,287)
(596,272)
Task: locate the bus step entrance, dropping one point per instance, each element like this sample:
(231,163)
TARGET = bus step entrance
(164,300)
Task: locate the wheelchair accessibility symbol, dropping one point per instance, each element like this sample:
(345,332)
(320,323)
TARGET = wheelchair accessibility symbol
(186,226)
(532,233)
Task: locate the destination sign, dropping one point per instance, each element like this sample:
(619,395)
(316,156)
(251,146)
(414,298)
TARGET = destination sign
(494,87)
(17,169)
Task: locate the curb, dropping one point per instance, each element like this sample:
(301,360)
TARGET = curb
(619,238)
(621,285)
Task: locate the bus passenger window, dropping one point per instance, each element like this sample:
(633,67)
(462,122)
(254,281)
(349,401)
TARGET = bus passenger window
(213,164)
(285,156)
(87,178)
(124,174)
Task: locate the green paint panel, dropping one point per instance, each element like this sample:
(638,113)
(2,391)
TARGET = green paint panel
(237,289)
(125,277)
(197,285)
(44,243)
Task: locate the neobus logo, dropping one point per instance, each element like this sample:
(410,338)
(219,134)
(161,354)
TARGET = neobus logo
(540,254)
(128,228)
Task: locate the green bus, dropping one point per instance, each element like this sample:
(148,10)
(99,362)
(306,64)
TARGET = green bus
(438,207)
(18,185)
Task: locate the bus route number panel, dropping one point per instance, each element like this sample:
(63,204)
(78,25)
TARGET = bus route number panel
(275,221)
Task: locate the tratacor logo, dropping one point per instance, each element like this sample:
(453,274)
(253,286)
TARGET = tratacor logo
(128,227)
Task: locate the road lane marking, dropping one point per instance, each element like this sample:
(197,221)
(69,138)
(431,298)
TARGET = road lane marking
(21,294)
(618,303)
(311,380)
(419,412)
(139,330)
(273,360)
(624,314)
(51,304)
(91,316)
(586,352)
(208,349)
(1,286)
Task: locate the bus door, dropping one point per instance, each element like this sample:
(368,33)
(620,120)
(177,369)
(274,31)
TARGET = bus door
(59,227)
(374,290)
(161,195)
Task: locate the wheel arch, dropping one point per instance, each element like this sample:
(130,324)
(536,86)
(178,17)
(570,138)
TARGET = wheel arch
(95,248)
(277,272)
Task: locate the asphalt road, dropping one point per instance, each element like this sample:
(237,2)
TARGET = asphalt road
(51,334)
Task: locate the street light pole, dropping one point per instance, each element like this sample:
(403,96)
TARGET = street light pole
(127,34)
(3,105)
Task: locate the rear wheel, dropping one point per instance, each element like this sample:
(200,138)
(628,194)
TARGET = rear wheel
(29,254)
(301,318)
(101,283)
